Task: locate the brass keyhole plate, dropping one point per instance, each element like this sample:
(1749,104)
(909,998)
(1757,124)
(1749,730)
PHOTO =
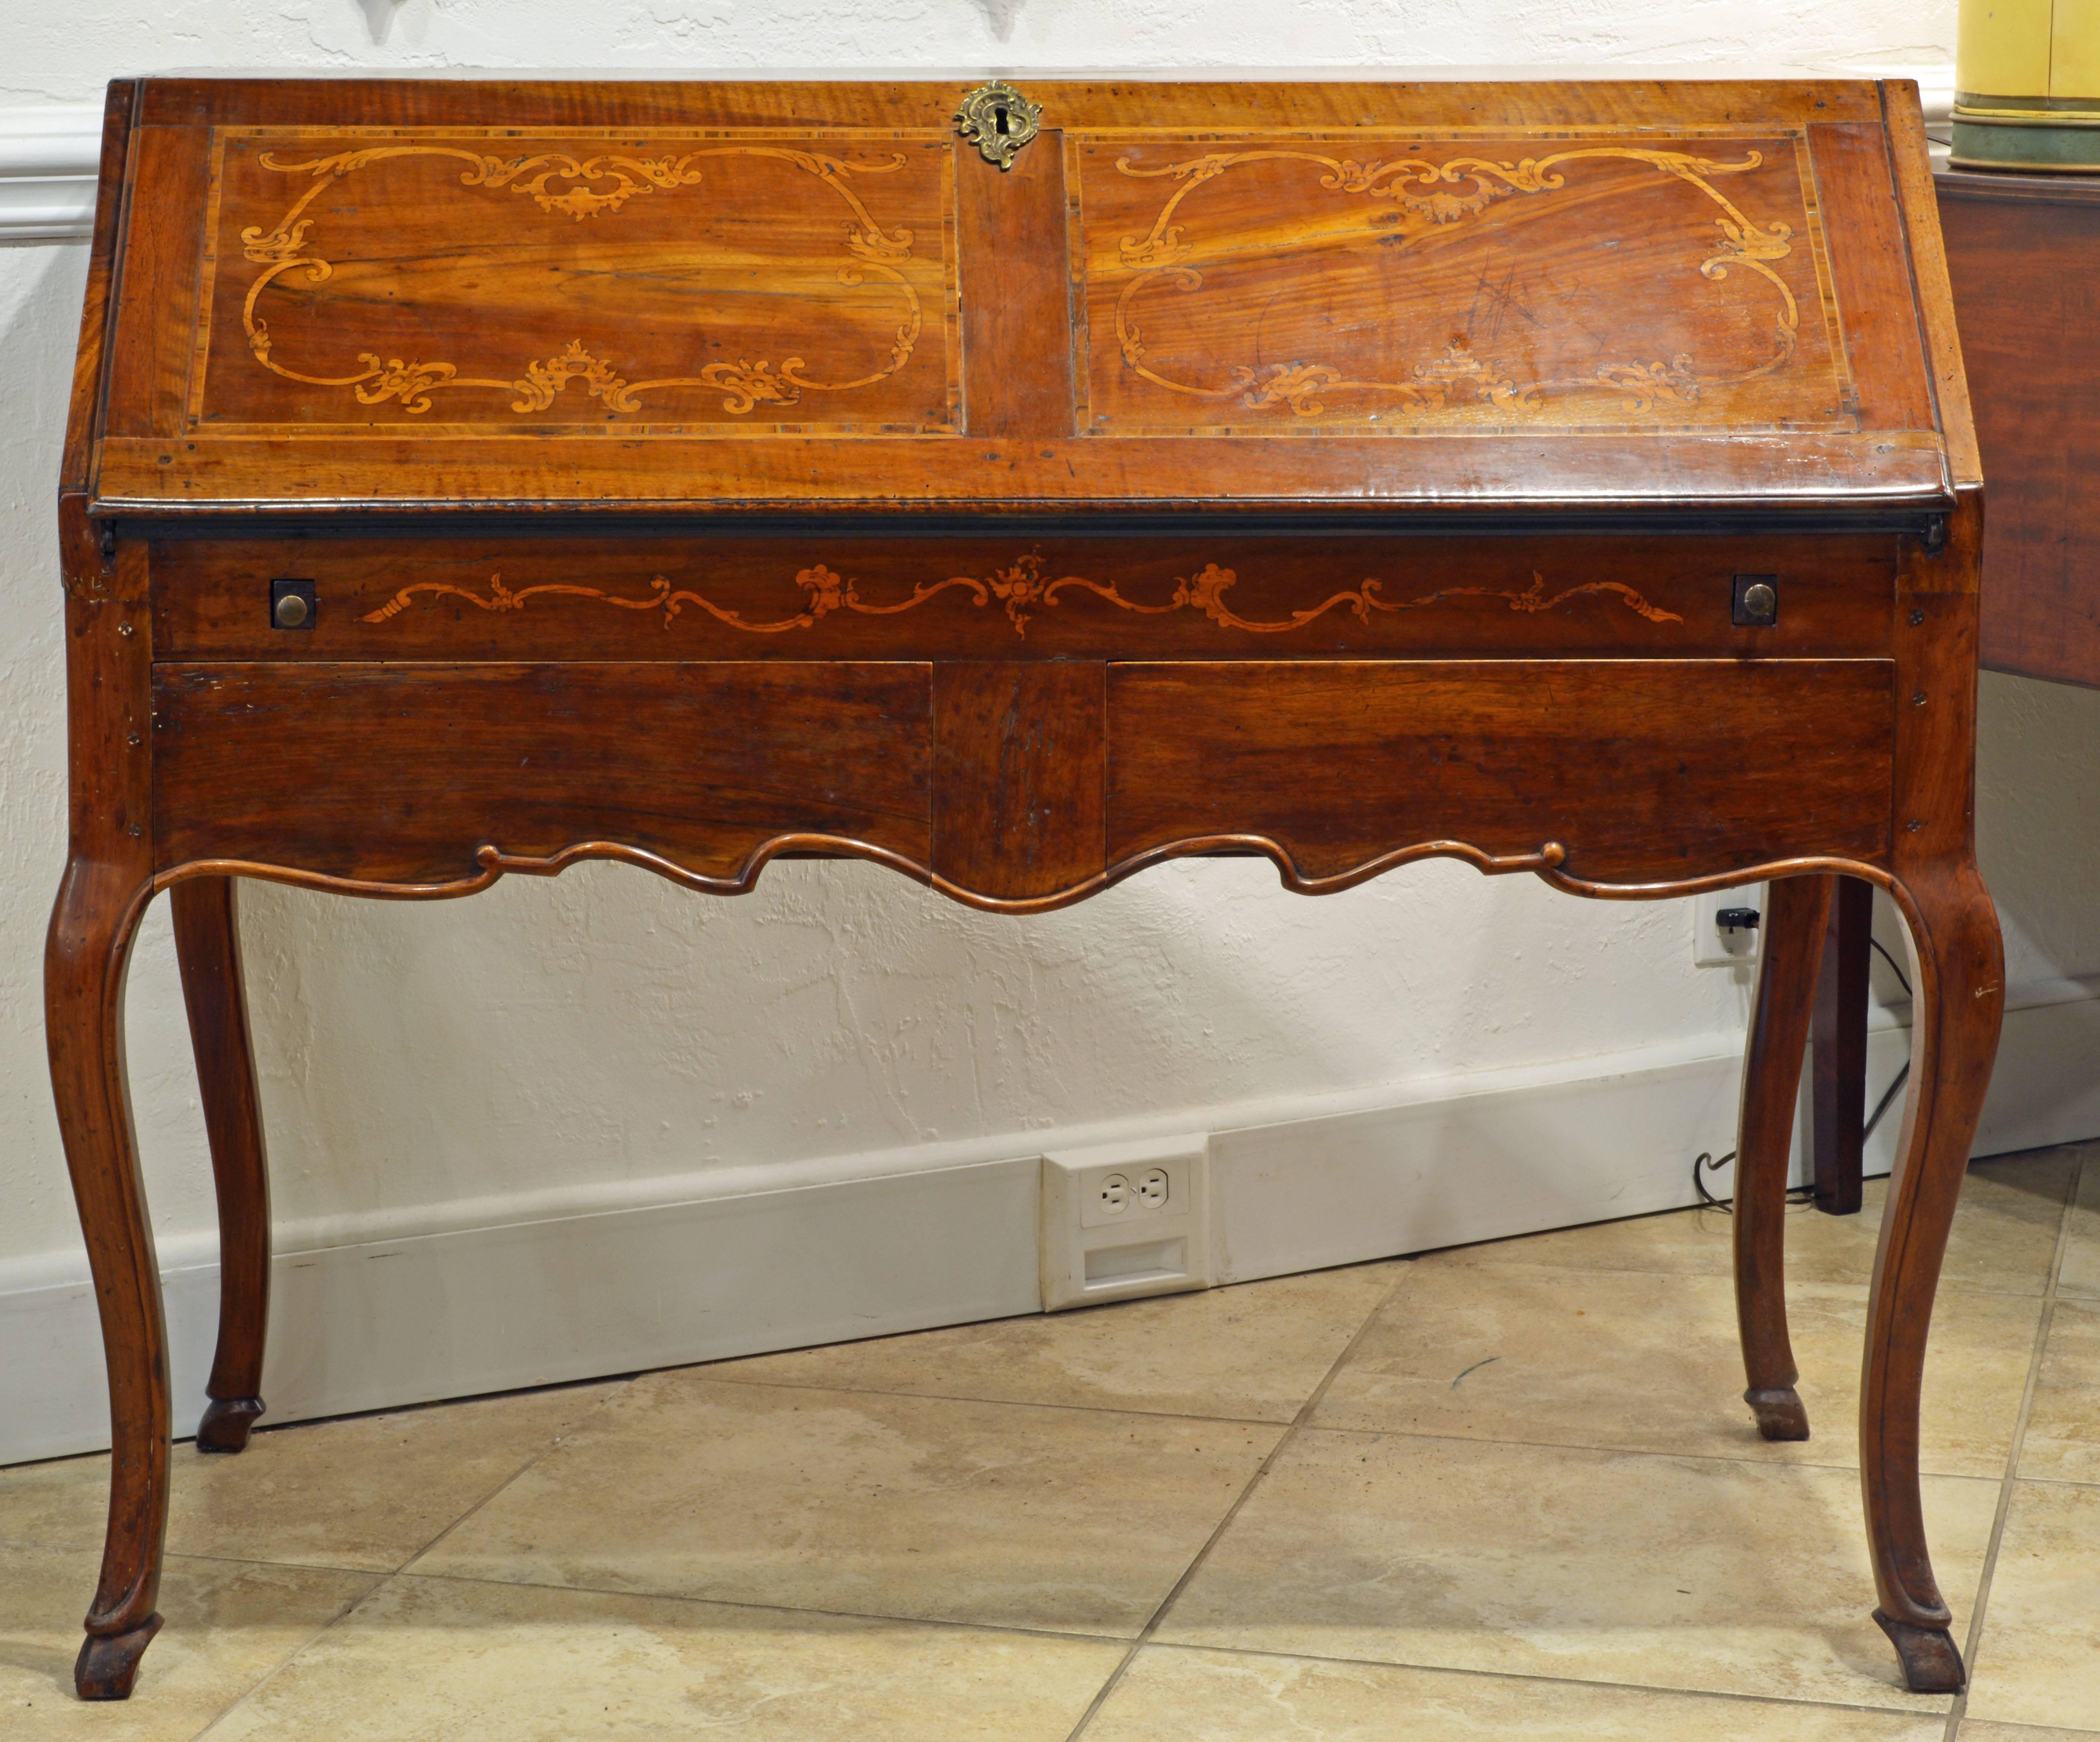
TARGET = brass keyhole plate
(1000,120)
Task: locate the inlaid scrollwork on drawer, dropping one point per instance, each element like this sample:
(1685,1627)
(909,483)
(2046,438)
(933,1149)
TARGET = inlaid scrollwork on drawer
(1023,587)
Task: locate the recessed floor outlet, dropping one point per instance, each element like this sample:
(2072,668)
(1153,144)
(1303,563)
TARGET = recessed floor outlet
(1125,1219)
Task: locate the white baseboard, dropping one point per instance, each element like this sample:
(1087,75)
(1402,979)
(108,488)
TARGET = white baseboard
(467,1300)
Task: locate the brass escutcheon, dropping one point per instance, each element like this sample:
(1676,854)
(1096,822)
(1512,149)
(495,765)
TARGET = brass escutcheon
(1000,120)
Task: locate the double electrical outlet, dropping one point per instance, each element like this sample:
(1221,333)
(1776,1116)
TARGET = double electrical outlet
(1126,1219)
(1120,1195)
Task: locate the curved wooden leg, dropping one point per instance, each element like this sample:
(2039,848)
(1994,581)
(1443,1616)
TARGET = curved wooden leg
(1796,909)
(1959,1001)
(86,957)
(208,947)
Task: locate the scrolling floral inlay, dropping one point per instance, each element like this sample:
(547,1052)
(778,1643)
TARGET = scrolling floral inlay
(874,253)
(1456,190)
(1022,588)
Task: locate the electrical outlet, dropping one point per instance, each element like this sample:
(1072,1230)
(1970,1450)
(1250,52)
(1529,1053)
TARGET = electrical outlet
(1712,947)
(1125,1219)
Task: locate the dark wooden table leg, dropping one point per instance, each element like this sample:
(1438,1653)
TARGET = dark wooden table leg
(1840,1082)
(208,947)
(1796,911)
(90,943)
(106,884)
(1960,998)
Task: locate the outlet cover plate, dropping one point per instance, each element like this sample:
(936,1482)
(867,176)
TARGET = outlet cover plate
(1713,948)
(1112,1228)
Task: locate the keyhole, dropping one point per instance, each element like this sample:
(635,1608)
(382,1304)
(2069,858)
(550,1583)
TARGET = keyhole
(998,120)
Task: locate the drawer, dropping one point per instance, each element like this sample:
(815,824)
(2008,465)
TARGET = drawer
(1652,771)
(1214,593)
(1022,780)
(400,772)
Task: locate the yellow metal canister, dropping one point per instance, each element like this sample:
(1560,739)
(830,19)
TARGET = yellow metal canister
(2026,85)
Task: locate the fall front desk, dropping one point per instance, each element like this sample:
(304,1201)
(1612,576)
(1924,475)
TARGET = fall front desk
(1016,489)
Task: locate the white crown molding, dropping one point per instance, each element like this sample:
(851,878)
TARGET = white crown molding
(48,157)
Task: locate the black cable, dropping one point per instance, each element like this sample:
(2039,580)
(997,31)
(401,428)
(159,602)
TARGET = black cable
(1894,967)
(1882,1106)
(1703,1162)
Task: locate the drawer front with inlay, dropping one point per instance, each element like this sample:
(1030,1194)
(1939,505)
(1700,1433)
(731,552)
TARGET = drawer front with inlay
(1200,594)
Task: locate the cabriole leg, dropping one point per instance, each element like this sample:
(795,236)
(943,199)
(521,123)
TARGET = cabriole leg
(1959,1000)
(208,947)
(86,958)
(1796,911)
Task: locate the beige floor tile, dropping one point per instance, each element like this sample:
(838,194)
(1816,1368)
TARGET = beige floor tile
(2081,1252)
(2039,1660)
(365,1491)
(433,1661)
(1630,1361)
(2003,1240)
(2063,1441)
(1974,1732)
(1076,1520)
(1172,1694)
(1701,1575)
(1253,1352)
(226,1625)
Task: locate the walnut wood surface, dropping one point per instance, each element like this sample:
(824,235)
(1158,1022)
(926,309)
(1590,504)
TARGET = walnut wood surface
(1196,594)
(2022,256)
(551,392)
(1020,376)
(1638,780)
(1020,775)
(94,921)
(207,931)
(1795,911)
(398,774)
(1839,1038)
(1598,294)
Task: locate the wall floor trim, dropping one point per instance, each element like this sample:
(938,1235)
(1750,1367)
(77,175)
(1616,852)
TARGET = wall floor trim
(394,1318)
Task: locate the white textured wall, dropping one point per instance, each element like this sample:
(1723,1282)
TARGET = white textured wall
(606,1027)
(61,53)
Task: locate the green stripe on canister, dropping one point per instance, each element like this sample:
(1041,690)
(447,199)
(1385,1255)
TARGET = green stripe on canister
(2050,48)
(2026,133)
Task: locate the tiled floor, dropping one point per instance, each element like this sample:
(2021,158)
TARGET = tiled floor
(1506,1492)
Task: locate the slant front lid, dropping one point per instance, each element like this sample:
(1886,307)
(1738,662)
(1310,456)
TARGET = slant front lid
(800,296)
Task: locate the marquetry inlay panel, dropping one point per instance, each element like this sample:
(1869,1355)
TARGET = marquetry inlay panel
(489,282)
(1401,284)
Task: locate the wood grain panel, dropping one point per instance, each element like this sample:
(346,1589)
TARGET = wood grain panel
(1019,775)
(1867,259)
(1016,295)
(1200,593)
(84,410)
(1885,473)
(485,280)
(157,285)
(1696,768)
(1598,280)
(399,773)
(1910,159)
(2023,257)
(613,278)
(1076,103)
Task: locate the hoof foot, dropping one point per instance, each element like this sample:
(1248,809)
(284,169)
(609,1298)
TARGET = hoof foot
(1930,1663)
(1779,1413)
(107,1666)
(226,1424)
